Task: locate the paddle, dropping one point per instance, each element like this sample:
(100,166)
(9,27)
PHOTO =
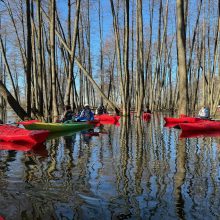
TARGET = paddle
(214,119)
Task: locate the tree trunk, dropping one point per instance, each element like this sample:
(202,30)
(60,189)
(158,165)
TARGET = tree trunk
(40,59)
(72,55)
(181,47)
(53,64)
(29,57)
(12,101)
(140,60)
(85,72)
(7,67)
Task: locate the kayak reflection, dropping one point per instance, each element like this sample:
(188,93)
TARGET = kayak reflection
(39,149)
(197,134)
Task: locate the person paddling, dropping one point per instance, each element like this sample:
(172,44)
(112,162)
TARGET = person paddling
(147,110)
(86,114)
(68,114)
(204,113)
(101,110)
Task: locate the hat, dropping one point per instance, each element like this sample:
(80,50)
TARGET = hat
(86,105)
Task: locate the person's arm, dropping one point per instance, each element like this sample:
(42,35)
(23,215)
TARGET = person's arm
(91,116)
(82,114)
(63,115)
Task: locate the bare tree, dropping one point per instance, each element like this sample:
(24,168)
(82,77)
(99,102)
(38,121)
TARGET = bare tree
(52,57)
(181,52)
(29,57)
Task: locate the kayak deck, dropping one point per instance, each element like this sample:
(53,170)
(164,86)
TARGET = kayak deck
(58,127)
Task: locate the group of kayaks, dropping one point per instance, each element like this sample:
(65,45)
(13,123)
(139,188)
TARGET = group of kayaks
(35,132)
(194,126)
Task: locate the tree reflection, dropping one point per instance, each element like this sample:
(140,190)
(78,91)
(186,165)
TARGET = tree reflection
(179,177)
(139,155)
(124,154)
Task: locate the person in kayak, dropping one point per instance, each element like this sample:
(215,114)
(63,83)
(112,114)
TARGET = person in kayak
(86,114)
(147,110)
(68,114)
(204,113)
(101,110)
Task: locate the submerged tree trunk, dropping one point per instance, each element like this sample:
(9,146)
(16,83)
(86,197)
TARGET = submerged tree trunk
(140,60)
(127,99)
(29,57)
(53,65)
(181,47)
(40,59)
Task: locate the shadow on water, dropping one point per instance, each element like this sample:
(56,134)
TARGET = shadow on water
(139,170)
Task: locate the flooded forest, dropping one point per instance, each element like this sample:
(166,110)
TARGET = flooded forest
(124,54)
(130,56)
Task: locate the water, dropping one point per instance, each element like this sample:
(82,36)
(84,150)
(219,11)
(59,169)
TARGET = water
(138,171)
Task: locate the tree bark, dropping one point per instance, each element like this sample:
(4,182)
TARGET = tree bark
(140,60)
(29,57)
(52,57)
(181,47)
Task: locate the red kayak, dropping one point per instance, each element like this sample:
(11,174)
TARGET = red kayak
(183,120)
(204,125)
(14,134)
(107,118)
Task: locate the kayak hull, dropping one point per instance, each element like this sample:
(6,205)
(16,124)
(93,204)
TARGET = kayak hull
(182,120)
(201,126)
(58,127)
(10,133)
(107,118)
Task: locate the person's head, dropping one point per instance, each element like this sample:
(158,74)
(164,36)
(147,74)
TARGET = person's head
(67,107)
(1,122)
(86,106)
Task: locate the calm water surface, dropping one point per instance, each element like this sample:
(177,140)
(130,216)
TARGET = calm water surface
(138,170)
